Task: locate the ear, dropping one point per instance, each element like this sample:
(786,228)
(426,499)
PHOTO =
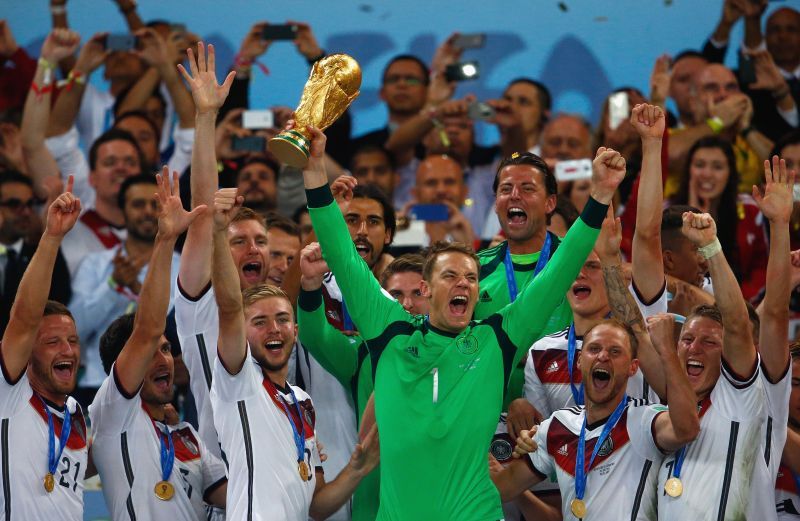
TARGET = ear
(381,93)
(425,289)
(669,264)
(550,204)
(92,179)
(633,367)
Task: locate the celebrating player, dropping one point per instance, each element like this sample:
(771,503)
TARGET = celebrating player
(149,469)
(265,424)
(446,372)
(43,437)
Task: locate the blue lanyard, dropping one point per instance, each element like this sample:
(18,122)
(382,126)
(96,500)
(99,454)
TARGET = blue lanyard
(347,322)
(679,457)
(796,483)
(544,256)
(580,463)
(577,392)
(66,427)
(299,437)
(167,453)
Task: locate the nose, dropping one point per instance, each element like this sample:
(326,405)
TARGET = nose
(602,355)
(407,302)
(515,193)
(362,228)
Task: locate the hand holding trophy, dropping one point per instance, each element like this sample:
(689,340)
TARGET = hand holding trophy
(331,87)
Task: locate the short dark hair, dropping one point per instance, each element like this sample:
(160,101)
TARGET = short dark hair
(794,350)
(115,109)
(114,338)
(407,57)
(279,222)
(688,53)
(441,247)
(408,262)
(141,179)
(113,134)
(709,311)
(527,158)
(298,213)
(792,138)
(671,225)
(141,115)
(272,165)
(373,149)
(545,98)
(566,210)
(15,176)
(52,307)
(375,193)
(618,324)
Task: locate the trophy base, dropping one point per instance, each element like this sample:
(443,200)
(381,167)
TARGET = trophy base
(290,147)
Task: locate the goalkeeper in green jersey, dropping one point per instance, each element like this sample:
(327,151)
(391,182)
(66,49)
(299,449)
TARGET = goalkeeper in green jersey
(440,379)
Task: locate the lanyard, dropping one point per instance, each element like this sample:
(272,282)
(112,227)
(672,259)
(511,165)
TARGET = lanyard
(796,483)
(544,256)
(580,463)
(299,437)
(66,427)
(679,457)
(577,392)
(347,322)
(167,453)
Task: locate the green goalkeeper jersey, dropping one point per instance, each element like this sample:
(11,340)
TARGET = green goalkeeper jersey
(495,293)
(437,394)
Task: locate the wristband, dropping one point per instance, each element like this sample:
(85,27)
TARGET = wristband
(716,124)
(57,10)
(73,77)
(41,91)
(709,250)
(246,64)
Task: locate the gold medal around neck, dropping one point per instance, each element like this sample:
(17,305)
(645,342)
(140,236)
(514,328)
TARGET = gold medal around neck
(578,508)
(673,487)
(303,469)
(49,482)
(164,490)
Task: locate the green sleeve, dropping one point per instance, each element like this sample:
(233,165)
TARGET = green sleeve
(335,351)
(524,320)
(370,309)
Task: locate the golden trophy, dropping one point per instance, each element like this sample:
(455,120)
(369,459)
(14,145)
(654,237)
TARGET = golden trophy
(331,87)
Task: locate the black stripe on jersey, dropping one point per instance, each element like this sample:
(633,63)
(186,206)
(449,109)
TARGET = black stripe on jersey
(506,346)
(201,346)
(729,375)
(726,480)
(6,480)
(564,333)
(126,462)
(768,441)
(248,450)
(637,502)
(379,343)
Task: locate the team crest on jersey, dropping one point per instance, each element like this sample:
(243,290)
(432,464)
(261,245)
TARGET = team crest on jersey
(189,444)
(606,448)
(332,315)
(501,449)
(467,345)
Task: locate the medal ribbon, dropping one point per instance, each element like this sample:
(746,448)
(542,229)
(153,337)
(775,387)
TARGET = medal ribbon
(299,437)
(347,322)
(681,454)
(66,427)
(580,464)
(577,392)
(167,453)
(796,483)
(544,256)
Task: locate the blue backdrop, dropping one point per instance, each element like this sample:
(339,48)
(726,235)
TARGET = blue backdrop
(581,49)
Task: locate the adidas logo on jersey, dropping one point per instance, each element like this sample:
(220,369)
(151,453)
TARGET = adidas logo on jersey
(563,451)
(485,297)
(553,367)
(413,351)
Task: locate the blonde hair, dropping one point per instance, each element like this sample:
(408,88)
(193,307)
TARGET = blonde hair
(261,291)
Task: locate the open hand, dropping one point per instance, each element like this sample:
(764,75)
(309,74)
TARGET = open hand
(207,94)
(305,41)
(173,219)
(367,453)
(92,54)
(776,202)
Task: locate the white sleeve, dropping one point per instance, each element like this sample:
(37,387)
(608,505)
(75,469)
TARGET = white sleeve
(640,428)
(93,300)
(13,395)
(738,399)
(790,116)
(533,390)
(778,393)
(181,158)
(213,468)
(113,410)
(657,305)
(540,458)
(240,386)
(71,161)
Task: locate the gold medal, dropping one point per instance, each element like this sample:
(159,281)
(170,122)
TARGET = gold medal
(578,508)
(164,490)
(303,469)
(49,482)
(673,487)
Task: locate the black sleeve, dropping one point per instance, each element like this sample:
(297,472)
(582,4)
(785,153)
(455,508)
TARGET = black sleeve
(338,135)
(60,285)
(766,117)
(713,53)
(238,97)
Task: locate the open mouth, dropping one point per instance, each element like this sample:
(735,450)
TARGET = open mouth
(694,368)
(274,346)
(63,370)
(600,378)
(517,215)
(458,305)
(581,292)
(363,248)
(252,271)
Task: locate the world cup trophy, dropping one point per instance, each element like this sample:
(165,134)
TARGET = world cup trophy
(331,87)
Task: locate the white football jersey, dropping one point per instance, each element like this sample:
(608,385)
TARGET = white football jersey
(24,438)
(547,367)
(787,495)
(729,471)
(258,440)
(127,453)
(621,482)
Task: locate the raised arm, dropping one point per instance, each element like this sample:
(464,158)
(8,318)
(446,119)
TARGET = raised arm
(151,315)
(737,343)
(648,264)
(514,479)
(776,204)
(26,313)
(232,345)
(680,424)
(195,271)
(128,10)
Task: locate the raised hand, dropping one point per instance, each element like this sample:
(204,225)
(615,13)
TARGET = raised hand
(608,171)
(254,45)
(208,95)
(342,189)
(92,54)
(312,267)
(729,110)
(607,244)
(776,202)
(155,50)
(649,121)
(173,220)
(660,80)
(63,213)
(226,203)
(59,44)
(316,159)
(661,328)
(305,41)
(524,443)
(699,228)
(8,45)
